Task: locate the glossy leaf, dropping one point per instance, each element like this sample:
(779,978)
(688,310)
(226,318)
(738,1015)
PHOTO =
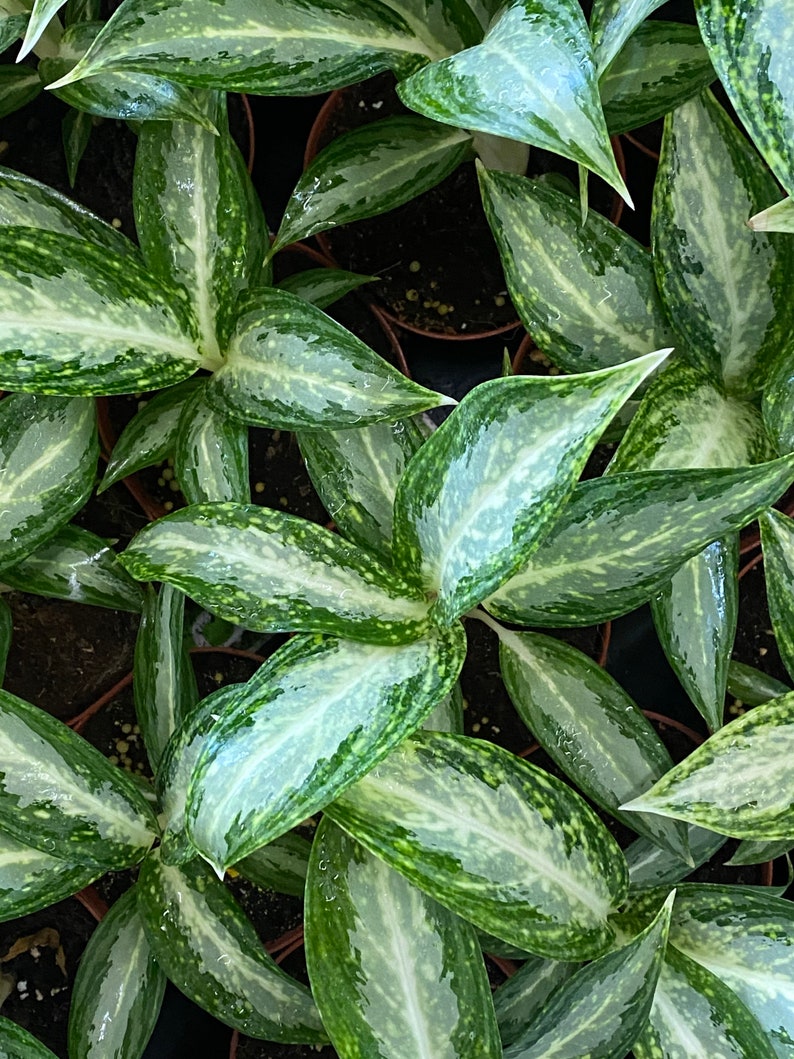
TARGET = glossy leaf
(48,457)
(206,945)
(19,85)
(323,286)
(518,1000)
(539,56)
(291,367)
(486,487)
(612,22)
(777,538)
(724,286)
(585,292)
(76,129)
(118,988)
(40,17)
(393,973)
(750,852)
(447,715)
(651,866)
(318,716)
(211,454)
(620,538)
(17,1043)
(77,565)
(510,848)
(6,632)
(12,27)
(31,879)
(281,865)
(752,686)
(776,218)
(61,795)
(589,726)
(271,572)
(76,319)
(778,400)
(447,26)
(738,782)
(371,170)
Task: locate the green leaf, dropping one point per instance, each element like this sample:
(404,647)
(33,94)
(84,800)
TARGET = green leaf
(318,716)
(750,852)
(79,566)
(78,320)
(281,865)
(540,54)
(776,218)
(446,26)
(76,129)
(724,286)
(291,367)
(81,11)
(612,22)
(211,454)
(323,286)
(518,1000)
(487,485)
(199,221)
(589,726)
(777,538)
(40,17)
(118,988)
(269,48)
(661,66)
(693,1012)
(18,86)
(31,879)
(272,572)
(17,1043)
(508,847)
(356,473)
(620,538)
(164,682)
(778,400)
(206,945)
(650,865)
(48,457)
(585,292)
(447,715)
(736,783)
(12,27)
(751,686)
(393,972)
(71,802)
(600,1011)
(6,633)
(371,170)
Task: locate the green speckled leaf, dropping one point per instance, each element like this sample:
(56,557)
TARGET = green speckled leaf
(265,46)
(61,795)
(750,852)
(508,847)
(281,865)
(18,85)
(211,454)
(620,538)
(6,632)
(76,129)
(446,26)
(600,1011)
(356,473)
(738,782)
(777,538)
(369,171)
(323,286)
(487,486)
(650,865)
(586,293)
(725,287)
(447,715)
(393,973)
(12,27)
(274,572)
(776,218)
(290,366)
(118,988)
(206,945)
(40,17)
(31,879)
(778,400)
(48,457)
(318,716)
(538,55)
(752,686)
(77,565)
(589,726)
(518,1000)
(75,319)
(612,22)
(16,1043)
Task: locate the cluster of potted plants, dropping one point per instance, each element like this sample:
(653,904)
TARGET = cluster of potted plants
(659,426)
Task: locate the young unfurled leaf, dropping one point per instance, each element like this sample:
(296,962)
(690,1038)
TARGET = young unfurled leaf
(318,716)
(323,286)
(776,218)
(393,972)
(17,1043)
(271,572)
(31,879)
(612,22)
(486,487)
(518,1000)
(777,537)
(210,454)
(752,686)
(118,988)
(18,85)
(508,847)
(281,865)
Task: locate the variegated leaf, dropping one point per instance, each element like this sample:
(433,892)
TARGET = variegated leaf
(695,1014)
(18,85)
(206,945)
(519,1000)
(323,286)
(486,487)
(318,716)
(275,572)
(76,129)
(650,865)
(118,988)
(777,401)
(750,852)
(48,457)
(77,565)
(198,218)
(751,686)
(17,1043)
(447,715)
(585,292)
(508,847)
(81,11)
(62,796)
(612,22)
(776,218)
(12,27)
(600,1011)
(31,879)
(738,782)
(356,473)
(539,55)
(263,47)
(40,17)
(620,538)
(777,538)
(211,454)
(446,26)
(281,865)
(724,286)
(393,972)
(164,683)
(589,726)
(79,320)
(369,171)
(290,366)
(6,632)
